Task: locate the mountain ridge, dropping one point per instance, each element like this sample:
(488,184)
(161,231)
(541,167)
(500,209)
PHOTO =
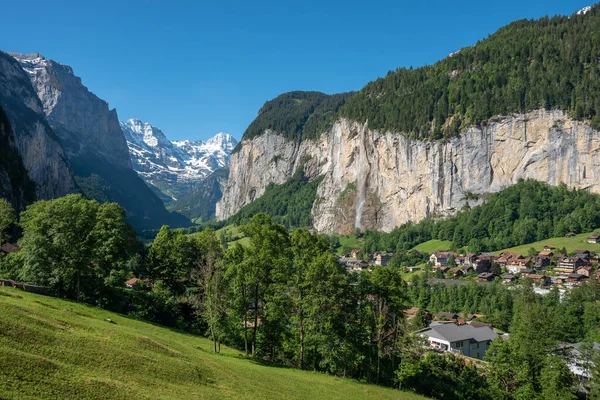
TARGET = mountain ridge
(174,168)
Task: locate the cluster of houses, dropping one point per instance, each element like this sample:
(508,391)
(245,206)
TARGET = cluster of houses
(546,268)
(353,264)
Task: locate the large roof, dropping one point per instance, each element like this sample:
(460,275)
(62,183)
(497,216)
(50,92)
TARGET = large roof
(454,333)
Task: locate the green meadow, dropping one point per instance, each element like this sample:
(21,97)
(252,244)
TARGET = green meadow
(56,349)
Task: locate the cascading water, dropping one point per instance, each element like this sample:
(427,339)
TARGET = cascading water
(362,179)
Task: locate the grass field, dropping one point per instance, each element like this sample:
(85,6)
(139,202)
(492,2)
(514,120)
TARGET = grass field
(433,245)
(576,242)
(348,241)
(55,349)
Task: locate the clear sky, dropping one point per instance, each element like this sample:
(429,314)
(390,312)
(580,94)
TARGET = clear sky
(195,68)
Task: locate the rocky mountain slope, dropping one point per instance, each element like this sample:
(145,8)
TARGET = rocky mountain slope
(174,169)
(93,142)
(379,181)
(425,142)
(40,150)
(15,184)
(200,204)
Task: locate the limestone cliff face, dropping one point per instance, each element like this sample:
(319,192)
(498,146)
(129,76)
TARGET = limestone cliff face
(379,181)
(83,122)
(39,148)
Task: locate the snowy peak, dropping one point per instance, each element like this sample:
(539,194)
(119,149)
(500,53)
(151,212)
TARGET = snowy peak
(174,168)
(222,140)
(584,10)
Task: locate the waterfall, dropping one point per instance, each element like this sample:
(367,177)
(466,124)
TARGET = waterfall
(362,179)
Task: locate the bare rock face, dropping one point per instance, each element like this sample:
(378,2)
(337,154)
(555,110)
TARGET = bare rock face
(374,180)
(40,150)
(83,122)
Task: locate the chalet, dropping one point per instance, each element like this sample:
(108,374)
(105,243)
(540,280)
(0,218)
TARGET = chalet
(586,270)
(383,259)
(412,312)
(583,254)
(446,316)
(465,339)
(549,248)
(595,238)
(132,282)
(507,278)
(559,280)
(354,253)
(575,279)
(486,276)
(456,272)
(9,248)
(413,269)
(502,261)
(517,265)
(545,253)
(570,264)
(541,262)
(598,275)
(526,272)
(440,258)
(539,280)
(442,268)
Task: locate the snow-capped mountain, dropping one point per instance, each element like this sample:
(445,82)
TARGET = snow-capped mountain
(174,168)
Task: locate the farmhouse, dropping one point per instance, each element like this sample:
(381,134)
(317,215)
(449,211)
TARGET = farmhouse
(440,258)
(465,339)
(383,259)
(595,238)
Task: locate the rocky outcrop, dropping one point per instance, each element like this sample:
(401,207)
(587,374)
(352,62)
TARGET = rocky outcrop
(83,122)
(38,146)
(15,185)
(380,180)
(93,141)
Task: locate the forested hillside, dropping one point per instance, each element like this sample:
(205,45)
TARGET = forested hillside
(288,204)
(546,63)
(528,64)
(523,213)
(297,115)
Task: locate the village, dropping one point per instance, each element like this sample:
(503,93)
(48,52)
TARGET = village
(548,268)
(467,335)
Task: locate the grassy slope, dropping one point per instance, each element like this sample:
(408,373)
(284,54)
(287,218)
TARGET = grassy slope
(570,243)
(51,348)
(433,245)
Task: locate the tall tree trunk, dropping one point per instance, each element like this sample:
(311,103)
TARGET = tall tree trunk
(301,361)
(254,329)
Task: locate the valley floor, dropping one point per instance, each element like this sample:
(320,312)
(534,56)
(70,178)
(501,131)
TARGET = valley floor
(50,348)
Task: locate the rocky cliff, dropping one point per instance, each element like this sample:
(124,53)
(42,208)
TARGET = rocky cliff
(94,144)
(38,146)
(15,185)
(375,180)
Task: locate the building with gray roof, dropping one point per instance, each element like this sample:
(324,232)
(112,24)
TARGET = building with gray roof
(464,339)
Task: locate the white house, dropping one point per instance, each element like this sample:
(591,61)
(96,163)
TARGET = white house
(465,339)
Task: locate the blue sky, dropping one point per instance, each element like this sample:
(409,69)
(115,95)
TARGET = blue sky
(195,68)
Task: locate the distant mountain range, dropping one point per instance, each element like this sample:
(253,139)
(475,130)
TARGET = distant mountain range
(173,169)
